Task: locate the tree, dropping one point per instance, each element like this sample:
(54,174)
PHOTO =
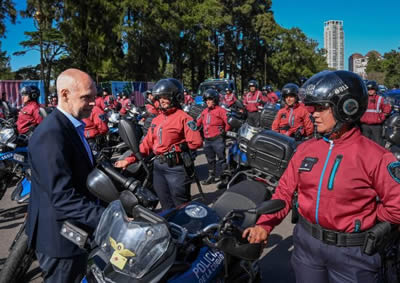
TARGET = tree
(7,10)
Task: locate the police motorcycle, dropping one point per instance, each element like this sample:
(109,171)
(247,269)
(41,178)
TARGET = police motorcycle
(13,155)
(191,243)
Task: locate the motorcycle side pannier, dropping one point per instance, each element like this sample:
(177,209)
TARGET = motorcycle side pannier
(270,152)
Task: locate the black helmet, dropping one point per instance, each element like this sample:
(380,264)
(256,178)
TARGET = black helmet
(267,88)
(228,89)
(170,88)
(32,91)
(211,94)
(344,91)
(185,90)
(120,94)
(391,129)
(290,89)
(252,83)
(372,85)
(53,95)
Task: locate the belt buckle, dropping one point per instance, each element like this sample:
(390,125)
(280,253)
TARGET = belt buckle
(329,237)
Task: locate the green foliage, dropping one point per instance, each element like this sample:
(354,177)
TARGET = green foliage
(385,70)
(7,10)
(191,40)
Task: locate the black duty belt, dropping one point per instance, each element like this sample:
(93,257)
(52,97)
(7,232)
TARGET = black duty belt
(213,138)
(170,158)
(331,237)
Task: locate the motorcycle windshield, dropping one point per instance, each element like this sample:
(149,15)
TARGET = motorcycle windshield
(247,131)
(132,247)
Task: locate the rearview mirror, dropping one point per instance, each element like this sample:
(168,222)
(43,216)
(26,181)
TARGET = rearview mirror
(127,131)
(101,186)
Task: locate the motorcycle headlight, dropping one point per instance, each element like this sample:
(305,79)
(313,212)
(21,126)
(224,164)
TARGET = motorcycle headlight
(7,135)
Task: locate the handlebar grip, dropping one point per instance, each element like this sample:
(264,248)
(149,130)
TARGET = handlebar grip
(114,174)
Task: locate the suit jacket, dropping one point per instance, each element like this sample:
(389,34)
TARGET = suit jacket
(60,165)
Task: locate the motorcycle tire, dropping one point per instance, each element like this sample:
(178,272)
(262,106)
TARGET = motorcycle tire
(18,261)
(4,183)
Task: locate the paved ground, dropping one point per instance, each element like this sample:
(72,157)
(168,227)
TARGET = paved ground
(275,263)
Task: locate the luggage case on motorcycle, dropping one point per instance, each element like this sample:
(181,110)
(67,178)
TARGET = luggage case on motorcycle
(270,152)
(267,117)
(195,110)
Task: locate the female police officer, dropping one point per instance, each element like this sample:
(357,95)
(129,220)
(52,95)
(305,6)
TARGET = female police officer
(171,132)
(339,178)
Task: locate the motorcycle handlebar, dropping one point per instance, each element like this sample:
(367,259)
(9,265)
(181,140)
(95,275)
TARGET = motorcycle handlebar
(114,174)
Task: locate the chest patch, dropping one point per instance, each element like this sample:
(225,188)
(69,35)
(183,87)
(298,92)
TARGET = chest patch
(394,170)
(283,116)
(307,164)
(192,125)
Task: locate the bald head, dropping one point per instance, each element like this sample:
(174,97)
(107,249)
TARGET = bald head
(76,93)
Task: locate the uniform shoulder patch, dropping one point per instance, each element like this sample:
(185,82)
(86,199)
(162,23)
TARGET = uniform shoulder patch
(394,170)
(192,125)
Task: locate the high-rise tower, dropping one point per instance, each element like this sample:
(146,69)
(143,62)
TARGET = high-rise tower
(334,44)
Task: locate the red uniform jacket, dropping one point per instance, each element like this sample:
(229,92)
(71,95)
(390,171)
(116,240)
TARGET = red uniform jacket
(377,110)
(338,184)
(289,119)
(214,121)
(167,130)
(252,100)
(272,98)
(100,102)
(125,105)
(96,123)
(110,102)
(28,117)
(153,109)
(188,99)
(229,99)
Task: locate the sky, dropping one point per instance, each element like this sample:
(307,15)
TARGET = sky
(367,24)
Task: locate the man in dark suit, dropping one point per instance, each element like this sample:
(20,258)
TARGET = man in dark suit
(61,160)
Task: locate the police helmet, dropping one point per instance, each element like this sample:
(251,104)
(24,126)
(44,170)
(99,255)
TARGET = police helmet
(53,95)
(252,83)
(228,89)
(211,94)
(267,88)
(170,88)
(344,91)
(391,129)
(290,89)
(120,94)
(32,91)
(372,85)
(303,80)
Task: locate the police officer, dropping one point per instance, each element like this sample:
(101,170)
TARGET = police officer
(338,187)
(214,122)
(95,125)
(171,133)
(270,95)
(29,116)
(229,98)
(53,100)
(125,103)
(152,105)
(377,111)
(188,98)
(109,100)
(294,119)
(252,101)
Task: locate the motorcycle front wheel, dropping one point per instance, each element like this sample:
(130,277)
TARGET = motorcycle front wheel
(19,260)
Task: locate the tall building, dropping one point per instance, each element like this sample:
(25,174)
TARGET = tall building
(334,44)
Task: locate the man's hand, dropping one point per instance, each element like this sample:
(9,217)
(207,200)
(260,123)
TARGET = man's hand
(255,235)
(121,164)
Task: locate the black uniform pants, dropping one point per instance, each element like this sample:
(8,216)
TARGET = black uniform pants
(213,149)
(373,132)
(171,184)
(315,261)
(253,119)
(62,270)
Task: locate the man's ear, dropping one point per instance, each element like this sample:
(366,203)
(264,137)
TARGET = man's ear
(64,94)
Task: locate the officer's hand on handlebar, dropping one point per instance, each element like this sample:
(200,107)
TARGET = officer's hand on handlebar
(255,235)
(121,164)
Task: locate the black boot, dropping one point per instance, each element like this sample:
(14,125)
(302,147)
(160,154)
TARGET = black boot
(210,180)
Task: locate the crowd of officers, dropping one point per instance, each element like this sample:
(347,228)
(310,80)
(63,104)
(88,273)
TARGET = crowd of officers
(333,110)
